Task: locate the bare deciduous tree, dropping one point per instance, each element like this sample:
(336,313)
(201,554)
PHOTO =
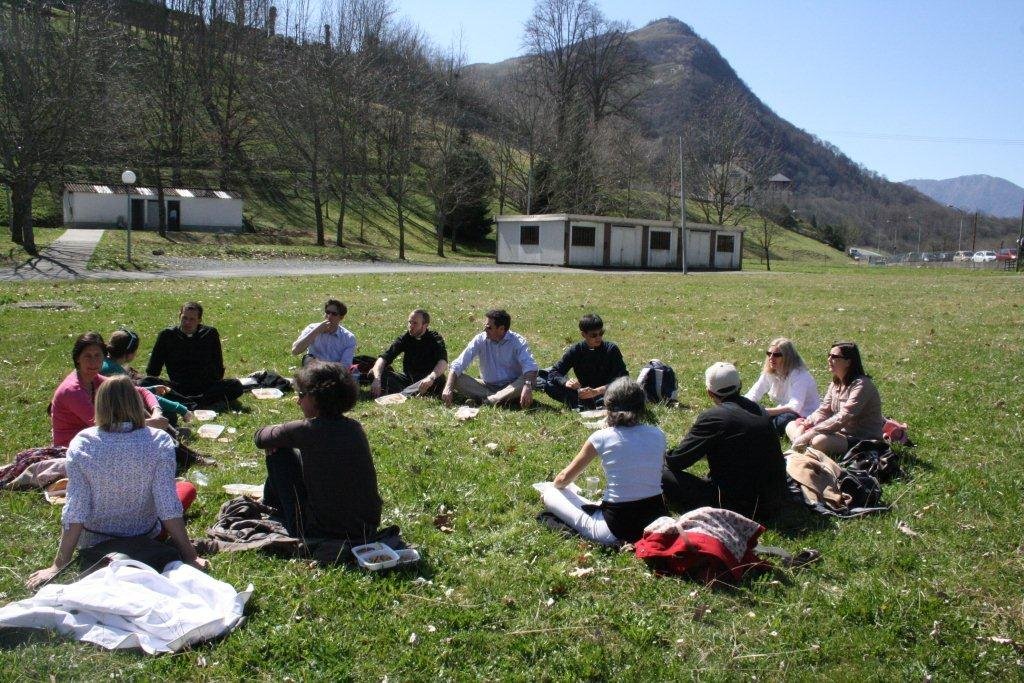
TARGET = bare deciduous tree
(50,91)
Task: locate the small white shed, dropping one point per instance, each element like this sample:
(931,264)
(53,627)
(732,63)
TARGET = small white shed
(605,241)
(191,209)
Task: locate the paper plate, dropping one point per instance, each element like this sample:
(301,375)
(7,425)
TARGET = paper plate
(267,392)
(210,431)
(204,415)
(247,490)
(466,413)
(56,493)
(593,414)
(390,399)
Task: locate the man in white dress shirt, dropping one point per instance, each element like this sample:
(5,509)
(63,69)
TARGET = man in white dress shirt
(507,368)
(327,340)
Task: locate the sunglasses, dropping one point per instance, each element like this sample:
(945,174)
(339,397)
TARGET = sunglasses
(836,356)
(773,354)
(329,312)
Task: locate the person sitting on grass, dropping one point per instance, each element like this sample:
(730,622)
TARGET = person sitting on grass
(747,473)
(121,350)
(424,361)
(507,368)
(192,354)
(121,482)
(327,340)
(72,408)
(787,382)
(595,361)
(320,473)
(851,410)
(631,456)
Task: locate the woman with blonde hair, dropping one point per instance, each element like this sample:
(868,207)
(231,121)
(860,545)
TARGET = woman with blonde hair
(787,382)
(121,482)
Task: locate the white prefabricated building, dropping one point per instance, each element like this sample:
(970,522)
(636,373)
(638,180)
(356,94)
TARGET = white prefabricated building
(89,205)
(605,241)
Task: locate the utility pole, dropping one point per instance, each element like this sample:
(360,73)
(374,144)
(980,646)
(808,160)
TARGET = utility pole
(1020,236)
(682,204)
(974,238)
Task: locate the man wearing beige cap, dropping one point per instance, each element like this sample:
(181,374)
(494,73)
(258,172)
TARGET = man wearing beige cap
(747,473)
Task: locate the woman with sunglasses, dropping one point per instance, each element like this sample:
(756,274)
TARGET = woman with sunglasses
(787,382)
(851,410)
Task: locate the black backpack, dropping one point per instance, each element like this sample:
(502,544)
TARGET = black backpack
(658,381)
(863,488)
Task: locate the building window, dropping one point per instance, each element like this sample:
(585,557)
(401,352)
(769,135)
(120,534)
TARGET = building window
(660,241)
(529,234)
(725,243)
(583,236)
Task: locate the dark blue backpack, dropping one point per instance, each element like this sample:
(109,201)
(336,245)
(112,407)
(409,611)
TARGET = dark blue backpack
(658,381)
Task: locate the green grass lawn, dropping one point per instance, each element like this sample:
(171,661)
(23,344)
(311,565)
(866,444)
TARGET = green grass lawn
(12,254)
(497,599)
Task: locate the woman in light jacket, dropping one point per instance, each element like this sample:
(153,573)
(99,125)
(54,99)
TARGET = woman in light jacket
(851,410)
(787,382)
(120,482)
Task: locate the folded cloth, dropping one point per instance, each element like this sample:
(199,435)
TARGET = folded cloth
(27,457)
(128,605)
(40,475)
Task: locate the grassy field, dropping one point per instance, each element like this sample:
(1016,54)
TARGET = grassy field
(496,598)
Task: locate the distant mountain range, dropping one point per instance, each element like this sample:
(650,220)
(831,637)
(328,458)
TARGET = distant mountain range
(994,196)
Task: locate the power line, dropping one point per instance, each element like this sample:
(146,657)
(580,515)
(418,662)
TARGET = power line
(924,138)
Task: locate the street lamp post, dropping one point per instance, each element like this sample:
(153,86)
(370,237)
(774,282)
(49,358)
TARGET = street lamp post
(128,178)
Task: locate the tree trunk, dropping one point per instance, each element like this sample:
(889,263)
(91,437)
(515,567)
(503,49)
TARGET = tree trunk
(439,222)
(161,208)
(339,238)
(21,216)
(318,208)
(401,227)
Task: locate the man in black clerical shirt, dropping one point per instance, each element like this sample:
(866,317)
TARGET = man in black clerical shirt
(595,362)
(425,360)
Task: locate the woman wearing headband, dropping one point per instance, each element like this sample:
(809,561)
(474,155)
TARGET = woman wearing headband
(123,346)
(72,408)
(631,455)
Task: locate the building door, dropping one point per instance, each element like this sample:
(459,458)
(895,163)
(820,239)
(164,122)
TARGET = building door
(138,214)
(698,248)
(152,214)
(174,215)
(625,246)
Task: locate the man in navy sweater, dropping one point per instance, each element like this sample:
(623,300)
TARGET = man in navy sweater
(595,362)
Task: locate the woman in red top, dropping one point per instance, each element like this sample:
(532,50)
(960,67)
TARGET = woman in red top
(72,408)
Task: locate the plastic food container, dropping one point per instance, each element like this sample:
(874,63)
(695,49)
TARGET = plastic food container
(408,556)
(267,392)
(210,431)
(375,556)
(204,415)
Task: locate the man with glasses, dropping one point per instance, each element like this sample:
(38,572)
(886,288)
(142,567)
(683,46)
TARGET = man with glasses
(327,340)
(507,368)
(424,360)
(596,363)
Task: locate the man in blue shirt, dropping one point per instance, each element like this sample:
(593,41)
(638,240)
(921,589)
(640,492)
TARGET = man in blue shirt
(327,340)
(596,363)
(507,367)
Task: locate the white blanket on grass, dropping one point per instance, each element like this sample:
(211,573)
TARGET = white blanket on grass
(130,605)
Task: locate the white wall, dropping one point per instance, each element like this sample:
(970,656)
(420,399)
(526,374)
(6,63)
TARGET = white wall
(94,209)
(103,210)
(729,260)
(549,251)
(210,212)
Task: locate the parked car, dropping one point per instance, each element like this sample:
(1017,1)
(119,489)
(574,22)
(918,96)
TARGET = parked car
(962,256)
(983,256)
(928,256)
(943,256)
(1006,254)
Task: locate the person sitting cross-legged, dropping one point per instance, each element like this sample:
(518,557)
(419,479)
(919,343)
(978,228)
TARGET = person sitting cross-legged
(787,382)
(596,363)
(631,457)
(424,360)
(320,473)
(507,368)
(747,473)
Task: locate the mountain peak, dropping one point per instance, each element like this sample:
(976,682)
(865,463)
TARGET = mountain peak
(670,25)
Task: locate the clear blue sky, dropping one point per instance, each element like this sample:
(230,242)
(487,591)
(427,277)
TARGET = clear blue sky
(908,88)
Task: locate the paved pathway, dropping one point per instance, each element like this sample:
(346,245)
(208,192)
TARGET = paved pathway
(65,258)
